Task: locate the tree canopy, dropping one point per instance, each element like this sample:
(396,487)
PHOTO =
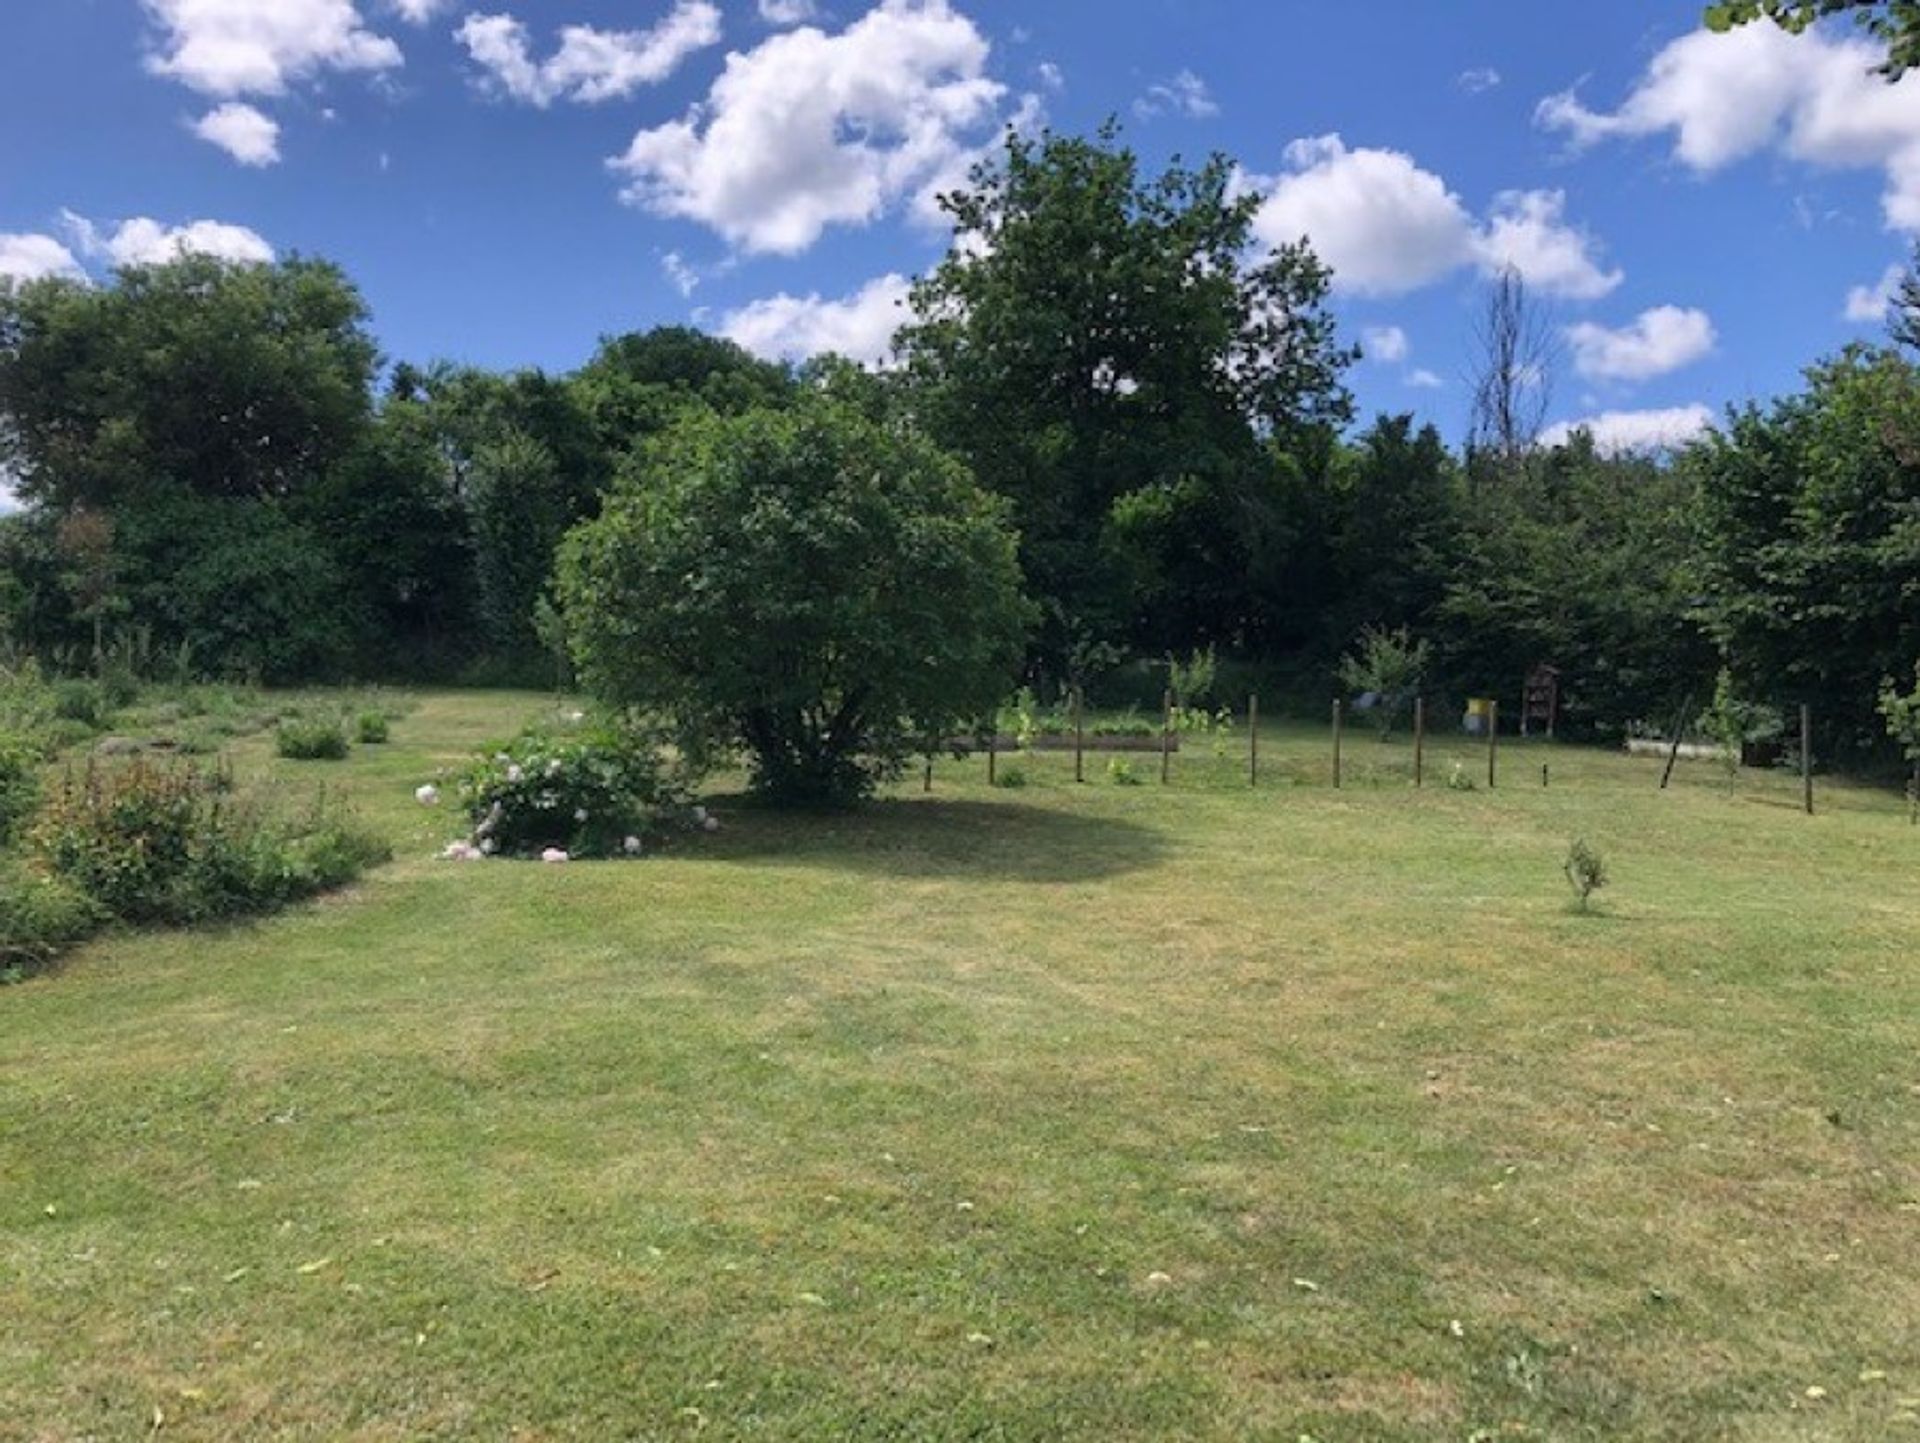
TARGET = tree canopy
(1896,23)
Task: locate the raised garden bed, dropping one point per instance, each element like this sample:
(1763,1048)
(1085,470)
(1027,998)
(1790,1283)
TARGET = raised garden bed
(966,746)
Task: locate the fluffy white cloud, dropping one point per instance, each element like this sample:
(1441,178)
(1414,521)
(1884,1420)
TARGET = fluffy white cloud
(1867,305)
(590,65)
(1661,340)
(33,257)
(1387,226)
(792,328)
(1186,94)
(1812,98)
(1528,232)
(809,130)
(683,277)
(1424,380)
(230,48)
(788,12)
(243,132)
(1385,343)
(144,241)
(418,12)
(1618,432)
(1478,81)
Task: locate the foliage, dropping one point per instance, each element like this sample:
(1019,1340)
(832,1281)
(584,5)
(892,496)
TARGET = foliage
(1192,681)
(1586,871)
(20,763)
(1896,23)
(1809,542)
(1121,771)
(594,793)
(40,917)
(1901,713)
(168,844)
(311,739)
(803,583)
(371,728)
(1112,354)
(1012,777)
(1734,722)
(1388,667)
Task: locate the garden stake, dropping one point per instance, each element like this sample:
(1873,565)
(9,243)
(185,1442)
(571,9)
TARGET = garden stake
(1493,740)
(1253,740)
(926,784)
(1806,756)
(1166,734)
(1336,745)
(1079,740)
(993,749)
(1543,774)
(1419,740)
(1673,752)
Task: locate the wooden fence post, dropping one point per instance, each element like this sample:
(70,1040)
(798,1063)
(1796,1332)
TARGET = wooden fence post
(1806,757)
(1079,737)
(993,750)
(1419,741)
(927,784)
(1253,740)
(1166,734)
(1336,743)
(1493,741)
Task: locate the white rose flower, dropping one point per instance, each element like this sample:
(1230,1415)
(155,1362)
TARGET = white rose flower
(631,846)
(554,854)
(427,796)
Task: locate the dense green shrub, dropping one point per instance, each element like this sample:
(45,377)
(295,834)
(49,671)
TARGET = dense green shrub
(80,701)
(20,760)
(40,916)
(599,793)
(168,844)
(310,739)
(371,727)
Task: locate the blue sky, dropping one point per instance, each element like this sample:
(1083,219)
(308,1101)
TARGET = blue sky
(1704,215)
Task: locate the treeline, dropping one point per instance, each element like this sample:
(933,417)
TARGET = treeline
(215,459)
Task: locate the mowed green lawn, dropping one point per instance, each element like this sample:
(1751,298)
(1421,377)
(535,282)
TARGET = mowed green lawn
(1066,1112)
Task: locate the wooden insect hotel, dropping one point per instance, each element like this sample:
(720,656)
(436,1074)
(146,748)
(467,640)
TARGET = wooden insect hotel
(1540,702)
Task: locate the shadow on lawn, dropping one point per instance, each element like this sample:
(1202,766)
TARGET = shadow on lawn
(990,841)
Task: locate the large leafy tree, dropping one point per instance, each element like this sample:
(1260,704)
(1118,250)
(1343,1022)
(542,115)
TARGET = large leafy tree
(1111,353)
(199,375)
(1896,23)
(1810,541)
(828,593)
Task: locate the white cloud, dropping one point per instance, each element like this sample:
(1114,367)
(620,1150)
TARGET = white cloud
(1813,98)
(683,277)
(1051,75)
(809,130)
(1618,432)
(231,48)
(1868,304)
(243,132)
(1661,340)
(591,65)
(1527,232)
(1479,80)
(1186,94)
(143,241)
(788,12)
(793,328)
(418,12)
(34,257)
(1387,226)
(1424,380)
(1385,343)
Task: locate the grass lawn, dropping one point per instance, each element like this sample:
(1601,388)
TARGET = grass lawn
(1066,1112)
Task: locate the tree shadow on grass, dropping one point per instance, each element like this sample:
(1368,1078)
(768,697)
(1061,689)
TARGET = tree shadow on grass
(988,841)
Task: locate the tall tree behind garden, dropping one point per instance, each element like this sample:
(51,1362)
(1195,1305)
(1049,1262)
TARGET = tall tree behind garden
(1102,352)
(1810,541)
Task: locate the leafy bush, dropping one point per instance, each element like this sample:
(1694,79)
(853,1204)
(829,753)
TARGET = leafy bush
(371,728)
(1461,780)
(160,844)
(20,760)
(1122,773)
(585,794)
(1586,871)
(1733,722)
(1192,681)
(40,916)
(310,739)
(1385,669)
(819,590)
(80,701)
(1011,777)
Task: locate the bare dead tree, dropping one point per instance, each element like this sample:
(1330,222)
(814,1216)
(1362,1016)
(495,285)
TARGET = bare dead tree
(1513,382)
